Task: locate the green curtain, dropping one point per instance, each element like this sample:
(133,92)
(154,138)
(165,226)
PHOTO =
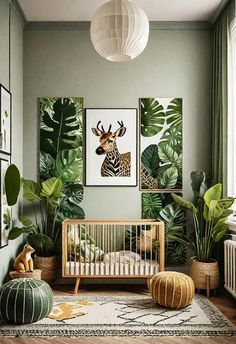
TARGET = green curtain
(219,99)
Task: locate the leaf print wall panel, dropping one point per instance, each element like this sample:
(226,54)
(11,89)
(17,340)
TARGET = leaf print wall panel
(161,206)
(61,150)
(161,144)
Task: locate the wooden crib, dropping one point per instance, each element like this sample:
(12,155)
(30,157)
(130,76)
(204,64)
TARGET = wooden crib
(112,249)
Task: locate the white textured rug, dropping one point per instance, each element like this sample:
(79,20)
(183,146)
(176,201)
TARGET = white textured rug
(76,316)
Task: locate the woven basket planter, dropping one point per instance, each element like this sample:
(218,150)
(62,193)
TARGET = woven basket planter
(199,272)
(48,265)
(172,289)
(36,274)
(25,300)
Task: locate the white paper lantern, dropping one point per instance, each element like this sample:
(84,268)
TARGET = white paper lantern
(119,30)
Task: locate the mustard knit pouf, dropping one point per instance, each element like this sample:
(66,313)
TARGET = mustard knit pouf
(172,289)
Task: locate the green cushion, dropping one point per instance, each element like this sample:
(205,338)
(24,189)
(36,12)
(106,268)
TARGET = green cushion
(25,300)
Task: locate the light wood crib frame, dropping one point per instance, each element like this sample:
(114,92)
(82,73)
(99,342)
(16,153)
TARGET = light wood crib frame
(112,249)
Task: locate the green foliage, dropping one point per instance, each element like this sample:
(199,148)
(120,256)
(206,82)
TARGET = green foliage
(152,117)
(151,205)
(169,178)
(209,215)
(61,144)
(43,245)
(59,125)
(68,165)
(162,159)
(31,190)
(161,206)
(12,184)
(150,159)
(46,165)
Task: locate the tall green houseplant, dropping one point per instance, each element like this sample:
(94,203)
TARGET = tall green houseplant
(209,213)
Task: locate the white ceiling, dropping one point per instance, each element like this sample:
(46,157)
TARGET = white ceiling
(83,10)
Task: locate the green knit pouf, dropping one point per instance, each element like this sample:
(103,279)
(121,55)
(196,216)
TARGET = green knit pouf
(25,300)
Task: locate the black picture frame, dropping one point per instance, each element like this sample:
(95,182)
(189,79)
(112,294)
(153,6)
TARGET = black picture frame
(5,148)
(109,115)
(4,160)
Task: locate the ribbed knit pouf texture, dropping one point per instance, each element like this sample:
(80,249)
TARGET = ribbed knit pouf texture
(172,289)
(25,300)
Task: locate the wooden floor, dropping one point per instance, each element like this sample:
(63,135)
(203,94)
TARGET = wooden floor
(223,301)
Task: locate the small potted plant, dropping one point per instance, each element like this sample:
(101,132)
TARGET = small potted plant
(209,213)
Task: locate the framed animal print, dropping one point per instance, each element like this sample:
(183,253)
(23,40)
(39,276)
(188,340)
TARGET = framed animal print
(161,144)
(5,211)
(111,147)
(5,120)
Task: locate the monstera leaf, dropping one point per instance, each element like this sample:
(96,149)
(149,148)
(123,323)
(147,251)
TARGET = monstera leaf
(150,160)
(174,112)
(169,178)
(166,153)
(173,136)
(68,165)
(58,129)
(69,205)
(152,117)
(73,192)
(46,165)
(69,210)
(151,205)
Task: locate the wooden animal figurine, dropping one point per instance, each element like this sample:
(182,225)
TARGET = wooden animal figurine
(24,262)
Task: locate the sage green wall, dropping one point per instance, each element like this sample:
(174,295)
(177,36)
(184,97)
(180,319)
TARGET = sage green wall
(175,63)
(16,88)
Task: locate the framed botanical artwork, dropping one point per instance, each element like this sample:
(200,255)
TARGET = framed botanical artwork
(5,120)
(111,147)
(5,210)
(161,144)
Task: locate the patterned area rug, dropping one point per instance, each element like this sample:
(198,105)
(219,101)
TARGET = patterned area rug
(77,316)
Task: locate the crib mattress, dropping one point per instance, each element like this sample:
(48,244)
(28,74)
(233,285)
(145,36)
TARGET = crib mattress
(143,268)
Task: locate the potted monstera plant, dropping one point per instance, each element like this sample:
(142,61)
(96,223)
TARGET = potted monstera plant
(209,213)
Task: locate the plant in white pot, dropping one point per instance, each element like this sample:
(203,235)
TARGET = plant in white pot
(209,213)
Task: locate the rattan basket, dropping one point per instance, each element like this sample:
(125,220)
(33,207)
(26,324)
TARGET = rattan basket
(48,265)
(199,272)
(36,274)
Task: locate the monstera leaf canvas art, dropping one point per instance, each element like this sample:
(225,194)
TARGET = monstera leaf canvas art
(162,206)
(61,150)
(161,144)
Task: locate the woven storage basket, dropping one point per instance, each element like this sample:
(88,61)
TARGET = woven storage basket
(199,271)
(36,274)
(172,289)
(48,265)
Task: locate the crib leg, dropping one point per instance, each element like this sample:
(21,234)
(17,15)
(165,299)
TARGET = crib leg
(149,280)
(76,286)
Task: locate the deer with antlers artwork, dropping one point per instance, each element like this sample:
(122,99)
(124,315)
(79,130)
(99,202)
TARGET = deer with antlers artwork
(115,164)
